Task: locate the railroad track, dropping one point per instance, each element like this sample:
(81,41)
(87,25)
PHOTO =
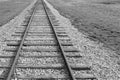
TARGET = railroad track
(41,50)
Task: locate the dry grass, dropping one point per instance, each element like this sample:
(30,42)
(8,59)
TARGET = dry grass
(11,8)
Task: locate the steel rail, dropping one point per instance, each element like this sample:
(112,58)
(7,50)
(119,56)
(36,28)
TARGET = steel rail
(59,44)
(21,44)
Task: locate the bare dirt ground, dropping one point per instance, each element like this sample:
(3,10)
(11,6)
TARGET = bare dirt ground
(100,19)
(11,8)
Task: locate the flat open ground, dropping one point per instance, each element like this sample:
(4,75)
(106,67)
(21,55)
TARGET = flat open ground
(11,8)
(100,19)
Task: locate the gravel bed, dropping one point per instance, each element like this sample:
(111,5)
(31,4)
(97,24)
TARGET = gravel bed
(40,53)
(77,62)
(61,32)
(52,41)
(83,74)
(31,38)
(36,35)
(36,73)
(52,61)
(14,38)
(39,23)
(19,27)
(39,28)
(40,18)
(40,15)
(43,13)
(40,47)
(40,7)
(50,73)
(11,48)
(65,41)
(41,73)
(75,54)
(5,61)
(45,61)
(39,78)
(49,54)
(39,32)
(37,14)
(63,35)
(39,11)
(35,42)
(38,44)
(12,42)
(69,47)
(3,72)
(4,53)
(32,27)
(64,38)
(41,62)
(42,37)
(60,29)
(42,33)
